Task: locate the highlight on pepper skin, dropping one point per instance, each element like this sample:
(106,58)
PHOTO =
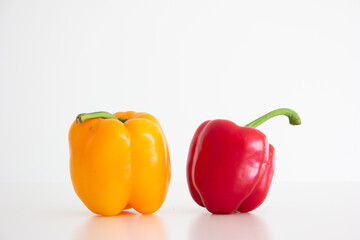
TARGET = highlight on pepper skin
(119,161)
(230,168)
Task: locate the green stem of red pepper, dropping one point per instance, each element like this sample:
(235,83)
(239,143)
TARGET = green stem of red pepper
(294,118)
(86,116)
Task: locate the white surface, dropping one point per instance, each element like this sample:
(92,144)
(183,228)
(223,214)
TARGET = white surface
(184,61)
(291,211)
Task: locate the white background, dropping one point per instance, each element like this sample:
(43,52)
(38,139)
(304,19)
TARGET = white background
(184,62)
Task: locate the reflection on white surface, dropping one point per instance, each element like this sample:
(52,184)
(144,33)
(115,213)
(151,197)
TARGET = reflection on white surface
(127,225)
(295,211)
(232,226)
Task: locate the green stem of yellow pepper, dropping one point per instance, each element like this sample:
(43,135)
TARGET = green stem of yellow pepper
(86,116)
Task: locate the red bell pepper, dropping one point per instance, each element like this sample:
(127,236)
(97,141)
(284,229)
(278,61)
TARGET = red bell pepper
(229,167)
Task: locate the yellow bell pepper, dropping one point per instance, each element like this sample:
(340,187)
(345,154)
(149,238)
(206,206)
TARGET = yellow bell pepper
(119,161)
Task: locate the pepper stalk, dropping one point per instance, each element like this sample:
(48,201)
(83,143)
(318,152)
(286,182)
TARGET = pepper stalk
(86,116)
(294,118)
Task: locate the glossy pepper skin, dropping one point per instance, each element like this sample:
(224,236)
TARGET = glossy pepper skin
(230,168)
(119,161)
